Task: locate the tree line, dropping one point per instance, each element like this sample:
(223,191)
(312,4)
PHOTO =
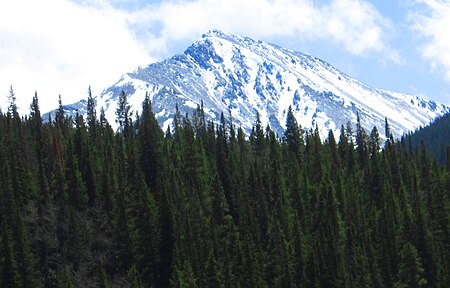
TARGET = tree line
(204,205)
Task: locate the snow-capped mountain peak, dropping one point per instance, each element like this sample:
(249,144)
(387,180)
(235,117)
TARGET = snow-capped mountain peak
(237,74)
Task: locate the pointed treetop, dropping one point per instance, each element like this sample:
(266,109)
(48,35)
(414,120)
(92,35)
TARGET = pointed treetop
(91,113)
(292,134)
(387,128)
(103,120)
(34,107)
(12,101)
(59,117)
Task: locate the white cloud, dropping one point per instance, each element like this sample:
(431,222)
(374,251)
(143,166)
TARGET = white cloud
(354,25)
(62,46)
(357,25)
(58,47)
(432,21)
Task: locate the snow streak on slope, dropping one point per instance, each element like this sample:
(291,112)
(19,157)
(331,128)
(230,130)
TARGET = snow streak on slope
(236,74)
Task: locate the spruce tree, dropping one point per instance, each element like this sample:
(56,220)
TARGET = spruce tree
(36,128)
(150,138)
(9,272)
(292,135)
(411,272)
(123,114)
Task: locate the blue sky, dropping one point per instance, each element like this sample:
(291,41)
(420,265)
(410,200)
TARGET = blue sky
(63,46)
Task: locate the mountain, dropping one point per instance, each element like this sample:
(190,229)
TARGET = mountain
(435,137)
(239,75)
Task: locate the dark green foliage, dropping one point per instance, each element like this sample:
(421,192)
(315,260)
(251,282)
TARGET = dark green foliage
(9,271)
(123,114)
(410,271)
(436,137)
(203,206)
(293,135)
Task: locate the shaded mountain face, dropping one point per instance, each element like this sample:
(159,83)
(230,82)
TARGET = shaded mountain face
(435,137)
(240,76)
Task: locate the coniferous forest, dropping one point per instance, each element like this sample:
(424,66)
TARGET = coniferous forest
(204,205)
(435,136)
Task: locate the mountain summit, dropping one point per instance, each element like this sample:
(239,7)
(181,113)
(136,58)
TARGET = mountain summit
(239,75)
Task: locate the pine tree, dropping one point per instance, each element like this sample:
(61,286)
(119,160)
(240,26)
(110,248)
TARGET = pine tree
(85,155)
(9,272)
(361,144)
(387,130)
(76,187)
(146,234)
(123,114)
(150,137)
(36,128)
(293,135)
(257,136)
(122,241)
(12,108)
(91,117)
(62,122)
(184,276)
(411,272)
(74,241)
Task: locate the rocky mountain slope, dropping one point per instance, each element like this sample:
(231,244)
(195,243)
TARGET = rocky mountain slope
(238,75)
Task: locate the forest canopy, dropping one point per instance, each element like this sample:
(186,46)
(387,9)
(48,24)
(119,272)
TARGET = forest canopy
(204,205)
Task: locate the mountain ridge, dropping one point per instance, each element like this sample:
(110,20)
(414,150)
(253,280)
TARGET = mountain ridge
(242,76)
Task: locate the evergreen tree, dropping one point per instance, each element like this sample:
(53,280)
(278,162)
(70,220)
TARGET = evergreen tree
(10,276)
(150,139)
(91,113)
(411,272)
(12,108)
(36,128)
(257,136)
(62,121)
(293,135)
(123,114)
(361,142)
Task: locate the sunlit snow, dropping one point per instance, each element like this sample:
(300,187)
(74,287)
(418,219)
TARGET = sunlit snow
(237,75)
